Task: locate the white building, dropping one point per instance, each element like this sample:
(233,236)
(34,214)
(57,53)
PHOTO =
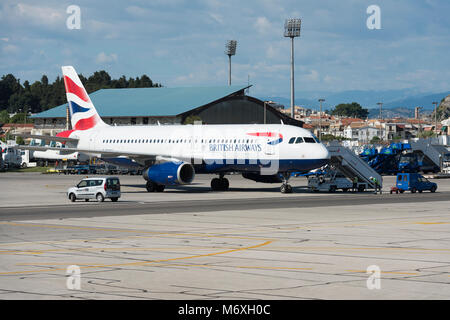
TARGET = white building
(366,134)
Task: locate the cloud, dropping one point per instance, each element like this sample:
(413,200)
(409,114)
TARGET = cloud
(216,17)
(104,58)
(137,11)
(313,76)
(38,15)
(10,48)
(182,42)
(262,25)
(271,52)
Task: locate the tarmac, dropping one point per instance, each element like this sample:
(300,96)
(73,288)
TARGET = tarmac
(251,242)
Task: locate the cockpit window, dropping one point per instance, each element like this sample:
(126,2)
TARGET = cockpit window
(309,140)
(291,140)
(315,138)
(299,140)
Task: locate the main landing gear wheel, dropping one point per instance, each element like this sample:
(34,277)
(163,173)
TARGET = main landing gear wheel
(154,187)
(286,188)
(151,186)
(220,184)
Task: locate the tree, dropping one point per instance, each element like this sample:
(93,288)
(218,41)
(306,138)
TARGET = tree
(191,119)
(375,140)
(425,134)
(42,95)
(330,137)
(20,141)
(20,118)
(8,86)
(4,116)
(353,109)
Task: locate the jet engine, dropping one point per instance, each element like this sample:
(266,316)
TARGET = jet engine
(170,173)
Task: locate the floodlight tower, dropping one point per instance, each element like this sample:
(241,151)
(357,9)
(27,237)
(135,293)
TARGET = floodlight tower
(320,119)
(381,116)
(230,50)
(291,30)
(435,117)
(418,117)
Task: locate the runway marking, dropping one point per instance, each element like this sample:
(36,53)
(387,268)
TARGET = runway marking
(107,249)
(387,272)
(143,262)
(431,223)
(363,248)
(186,248)
(240,267)
(178,265)
(130,231)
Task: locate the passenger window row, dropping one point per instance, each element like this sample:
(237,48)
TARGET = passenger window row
(302,139)
(178,141)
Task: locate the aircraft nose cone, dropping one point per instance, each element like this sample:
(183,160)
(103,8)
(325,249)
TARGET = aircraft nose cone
(324,152)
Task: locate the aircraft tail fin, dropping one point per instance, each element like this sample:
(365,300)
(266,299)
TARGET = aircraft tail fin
(83,114)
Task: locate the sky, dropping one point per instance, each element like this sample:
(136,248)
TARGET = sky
(182,42)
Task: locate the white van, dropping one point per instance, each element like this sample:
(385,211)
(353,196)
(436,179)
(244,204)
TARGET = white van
(96,188)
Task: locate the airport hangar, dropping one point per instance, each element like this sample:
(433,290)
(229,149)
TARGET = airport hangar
(150,106)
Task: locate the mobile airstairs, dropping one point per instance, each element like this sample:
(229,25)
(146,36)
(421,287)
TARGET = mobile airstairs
(351,165)
(437,154)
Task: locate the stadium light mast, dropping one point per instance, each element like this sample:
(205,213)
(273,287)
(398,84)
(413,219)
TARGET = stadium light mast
(381,115)
(435,117)
(291,30)
(230,50)
(418,117)
(320,119)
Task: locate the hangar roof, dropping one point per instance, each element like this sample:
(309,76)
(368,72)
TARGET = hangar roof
(158,102)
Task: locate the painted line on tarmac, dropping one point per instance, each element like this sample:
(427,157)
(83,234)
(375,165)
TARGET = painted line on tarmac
(140,263)
(154,233)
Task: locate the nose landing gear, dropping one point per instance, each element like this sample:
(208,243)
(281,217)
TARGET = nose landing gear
(285,187)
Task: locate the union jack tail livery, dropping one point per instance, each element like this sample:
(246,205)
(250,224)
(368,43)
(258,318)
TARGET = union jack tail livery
(82,111)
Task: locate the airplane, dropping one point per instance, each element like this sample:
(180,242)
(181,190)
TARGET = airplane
(174,154)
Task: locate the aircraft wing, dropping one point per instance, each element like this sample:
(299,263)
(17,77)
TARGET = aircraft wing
(46,138)
(109,153)
(105,152)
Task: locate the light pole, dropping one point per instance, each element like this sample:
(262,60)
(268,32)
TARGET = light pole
(320,119)
(418,117)
(381,115)
(291,30)
(265,112)
(435,117)
(230,50)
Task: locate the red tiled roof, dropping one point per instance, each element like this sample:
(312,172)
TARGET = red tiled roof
(347,121)
(17,125)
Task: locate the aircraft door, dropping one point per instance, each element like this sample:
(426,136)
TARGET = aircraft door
(269,148)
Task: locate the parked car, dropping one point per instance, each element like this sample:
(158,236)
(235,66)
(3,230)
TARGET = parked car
(96,188)
(413,182)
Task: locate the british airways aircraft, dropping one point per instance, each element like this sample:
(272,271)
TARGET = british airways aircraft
(173,154)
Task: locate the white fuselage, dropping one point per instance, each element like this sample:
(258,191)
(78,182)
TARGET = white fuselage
(217,144)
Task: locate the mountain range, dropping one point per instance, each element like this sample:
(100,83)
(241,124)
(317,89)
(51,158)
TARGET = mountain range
(396,103)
